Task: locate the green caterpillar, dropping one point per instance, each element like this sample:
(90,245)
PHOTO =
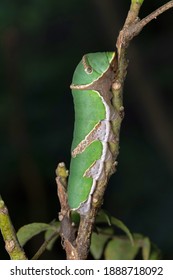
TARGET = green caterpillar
(91,90)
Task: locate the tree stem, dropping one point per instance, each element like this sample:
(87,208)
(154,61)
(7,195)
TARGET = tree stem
(155,14)
(12,245)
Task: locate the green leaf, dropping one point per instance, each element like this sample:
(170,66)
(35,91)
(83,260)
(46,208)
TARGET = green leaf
(104,217)
(155,253)
(149,250)
(26,232)
(146,246)
(143,243)
(122,226)
(49,233)
(120,248)
(98,241)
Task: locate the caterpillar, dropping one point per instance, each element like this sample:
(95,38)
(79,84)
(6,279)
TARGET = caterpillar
(91,90)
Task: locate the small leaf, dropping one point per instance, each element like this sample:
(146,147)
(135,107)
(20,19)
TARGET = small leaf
(149,250)
(123,227)
(121,249)
(26,232)
(155,253)
(146,246)
(98,241)
(50,232)
(104,217)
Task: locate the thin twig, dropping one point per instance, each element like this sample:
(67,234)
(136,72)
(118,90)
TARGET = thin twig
(155,14)
(67,230)
(12,244)
(44,246)
(133,26)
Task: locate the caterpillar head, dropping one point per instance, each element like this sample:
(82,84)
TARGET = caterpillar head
(91,68)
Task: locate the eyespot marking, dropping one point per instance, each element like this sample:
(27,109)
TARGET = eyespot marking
(88,69)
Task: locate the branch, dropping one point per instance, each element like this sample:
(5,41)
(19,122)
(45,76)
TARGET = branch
(44,246)
(155,14)
(67,230)
(133,26)
(12,245)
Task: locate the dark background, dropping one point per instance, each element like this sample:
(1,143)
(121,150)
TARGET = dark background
(41,42)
